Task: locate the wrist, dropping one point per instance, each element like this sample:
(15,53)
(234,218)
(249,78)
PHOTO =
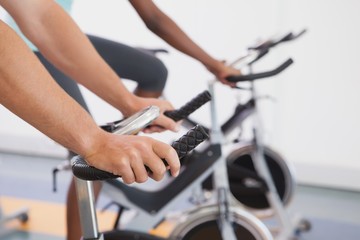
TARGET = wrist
(213,66)
(129,105)
(124,101)
(91,142)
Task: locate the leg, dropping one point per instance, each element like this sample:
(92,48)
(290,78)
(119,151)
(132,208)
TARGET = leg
(147,94)
(66,83)
(133,64)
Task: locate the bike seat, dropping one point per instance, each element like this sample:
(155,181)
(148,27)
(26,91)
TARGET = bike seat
(152,51)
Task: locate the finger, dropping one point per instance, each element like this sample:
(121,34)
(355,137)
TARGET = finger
(138,168)
(156,166)
(166,152)
(126,174)
(153,129)
(167,106)
(231,84)
(167,123)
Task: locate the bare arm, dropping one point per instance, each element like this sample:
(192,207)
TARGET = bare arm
(29,91)
(61,41)
(163,26)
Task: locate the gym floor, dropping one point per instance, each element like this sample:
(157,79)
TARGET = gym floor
(27,182)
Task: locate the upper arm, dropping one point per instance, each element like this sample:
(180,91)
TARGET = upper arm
(23,10)
(28,14)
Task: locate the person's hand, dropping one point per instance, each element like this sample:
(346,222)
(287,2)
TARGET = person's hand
(221,71)
(161,123)
(127,156)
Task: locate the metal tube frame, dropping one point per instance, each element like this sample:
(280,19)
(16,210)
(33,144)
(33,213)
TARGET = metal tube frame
(87,210)
(286,229)
(220,177)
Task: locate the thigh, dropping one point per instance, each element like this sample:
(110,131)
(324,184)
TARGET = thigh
(66,83)
(131,63)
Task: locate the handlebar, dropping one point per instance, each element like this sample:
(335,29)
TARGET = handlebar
(177,115)
(257,52)
(273,42)
(252,77)
(182,146)
(260,53)
(189,107)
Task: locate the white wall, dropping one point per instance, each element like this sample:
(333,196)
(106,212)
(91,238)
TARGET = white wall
(313,121)
(318,106)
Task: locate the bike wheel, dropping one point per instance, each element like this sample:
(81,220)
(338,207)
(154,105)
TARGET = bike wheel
(280,171)
(203,224)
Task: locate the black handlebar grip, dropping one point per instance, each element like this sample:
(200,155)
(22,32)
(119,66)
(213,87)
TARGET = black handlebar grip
(83,171)
(182,146)
(190,140)
(189,107)
(251,77)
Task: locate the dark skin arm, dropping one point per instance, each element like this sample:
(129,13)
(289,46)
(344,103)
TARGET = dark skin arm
(164,27)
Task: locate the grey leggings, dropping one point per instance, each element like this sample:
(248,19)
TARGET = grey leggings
(129,63)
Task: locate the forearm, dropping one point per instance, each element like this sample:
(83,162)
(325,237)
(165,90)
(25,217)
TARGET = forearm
(164,27)
(63,43)
(169,31)
(28,91)
(173,35)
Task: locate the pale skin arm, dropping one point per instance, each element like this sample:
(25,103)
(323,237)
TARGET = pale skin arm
(29,91)
(163,26)
(61,41)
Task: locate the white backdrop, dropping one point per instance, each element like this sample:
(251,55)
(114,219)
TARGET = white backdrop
(313,121)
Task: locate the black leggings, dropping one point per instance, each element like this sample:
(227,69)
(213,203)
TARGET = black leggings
(129,63)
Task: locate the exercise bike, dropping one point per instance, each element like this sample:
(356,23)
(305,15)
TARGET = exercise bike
(155,208)
(130,199)
(231,223)
(259,178)
(245,184)
(267,164)
(250,191)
